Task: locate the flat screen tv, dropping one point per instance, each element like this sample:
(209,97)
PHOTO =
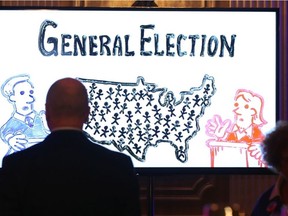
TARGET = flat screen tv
(178,90)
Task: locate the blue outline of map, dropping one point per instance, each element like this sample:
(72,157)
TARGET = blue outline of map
(136,116)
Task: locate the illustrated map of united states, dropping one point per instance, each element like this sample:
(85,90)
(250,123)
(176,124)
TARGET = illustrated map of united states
(136,116)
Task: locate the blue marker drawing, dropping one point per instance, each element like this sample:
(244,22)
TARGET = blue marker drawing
(25,127)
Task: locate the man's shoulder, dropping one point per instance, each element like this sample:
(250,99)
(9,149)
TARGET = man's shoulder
(22,154)
(104,147)
(114,154)
(70,144)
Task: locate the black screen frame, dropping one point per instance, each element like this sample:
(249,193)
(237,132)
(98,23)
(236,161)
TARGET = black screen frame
(189,170)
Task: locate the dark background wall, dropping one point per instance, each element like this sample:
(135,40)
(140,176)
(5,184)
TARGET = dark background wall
(186,194)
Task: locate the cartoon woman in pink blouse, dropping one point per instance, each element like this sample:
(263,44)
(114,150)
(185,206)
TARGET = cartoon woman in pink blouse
(246,127)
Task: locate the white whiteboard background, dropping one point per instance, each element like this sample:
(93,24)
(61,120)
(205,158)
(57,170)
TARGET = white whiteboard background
(252,67)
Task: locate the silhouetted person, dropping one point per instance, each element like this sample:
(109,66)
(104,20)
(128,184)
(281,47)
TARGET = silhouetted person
(274,200)
(66,174)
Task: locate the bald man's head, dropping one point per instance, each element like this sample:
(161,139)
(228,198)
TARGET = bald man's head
(67,104)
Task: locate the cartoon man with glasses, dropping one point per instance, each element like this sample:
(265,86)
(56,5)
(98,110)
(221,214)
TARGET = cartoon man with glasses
(25,127)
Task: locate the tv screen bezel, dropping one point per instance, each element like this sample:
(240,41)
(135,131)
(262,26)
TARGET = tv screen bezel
(188,170)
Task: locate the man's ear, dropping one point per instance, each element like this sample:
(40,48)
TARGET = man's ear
(87,114)
(47,112)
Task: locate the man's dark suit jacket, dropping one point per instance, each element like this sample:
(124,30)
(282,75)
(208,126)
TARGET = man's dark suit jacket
(67,175)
